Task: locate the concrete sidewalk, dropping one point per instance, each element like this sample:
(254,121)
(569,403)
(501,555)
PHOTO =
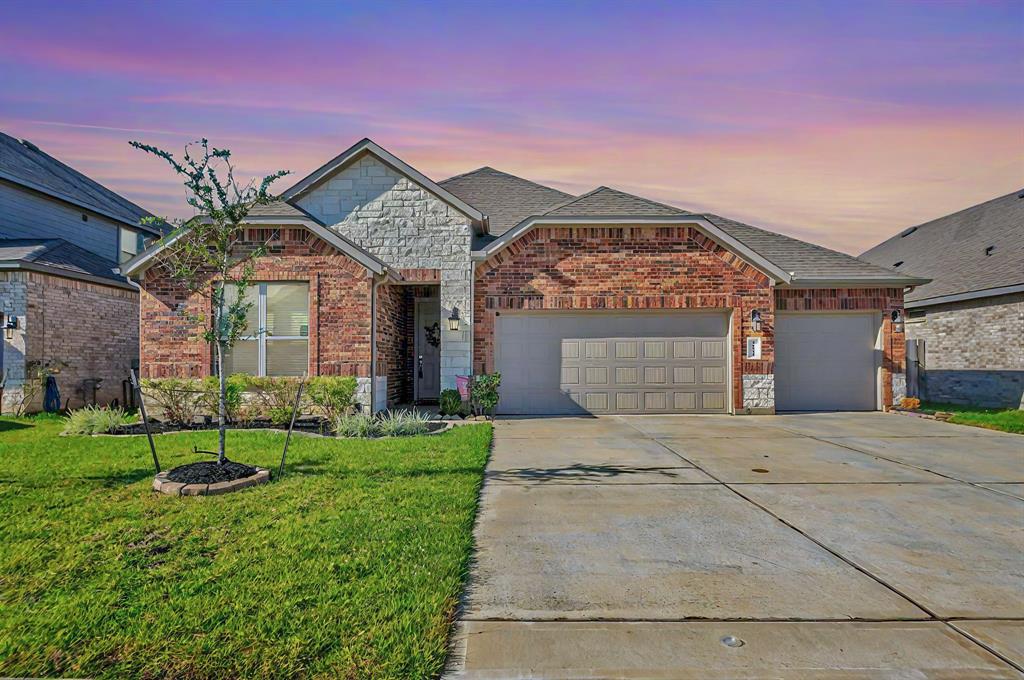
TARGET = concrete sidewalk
(797,546)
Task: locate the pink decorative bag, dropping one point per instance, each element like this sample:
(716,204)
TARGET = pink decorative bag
(462,383)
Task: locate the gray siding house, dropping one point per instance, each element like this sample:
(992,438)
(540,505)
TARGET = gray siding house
(63,307)
(971,315)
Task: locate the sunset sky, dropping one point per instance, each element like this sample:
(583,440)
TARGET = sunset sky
(835,122)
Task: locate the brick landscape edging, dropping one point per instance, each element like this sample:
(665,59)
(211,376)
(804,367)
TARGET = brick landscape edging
(164,485)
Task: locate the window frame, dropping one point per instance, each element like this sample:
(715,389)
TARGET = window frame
(137,242)
(262,337)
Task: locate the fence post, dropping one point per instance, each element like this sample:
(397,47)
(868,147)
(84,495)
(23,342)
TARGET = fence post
(145,418)
(291,426)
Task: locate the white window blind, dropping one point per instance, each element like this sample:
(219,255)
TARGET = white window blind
(276,340)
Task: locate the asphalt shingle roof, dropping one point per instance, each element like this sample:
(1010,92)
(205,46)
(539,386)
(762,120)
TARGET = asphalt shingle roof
(280,209)
(24,163)
(506,199)
(951,250)
(804,260)
(607,202)
(58,254)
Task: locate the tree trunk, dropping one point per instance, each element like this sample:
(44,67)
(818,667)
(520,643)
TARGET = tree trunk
(222,419)
(222,416)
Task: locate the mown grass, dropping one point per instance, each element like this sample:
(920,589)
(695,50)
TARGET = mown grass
(348,567)
(1006,420)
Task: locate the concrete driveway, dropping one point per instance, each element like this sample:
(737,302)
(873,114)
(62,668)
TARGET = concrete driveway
(794,546)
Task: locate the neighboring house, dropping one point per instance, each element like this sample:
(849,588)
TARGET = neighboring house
(971,315)
(602,303)
(62,236)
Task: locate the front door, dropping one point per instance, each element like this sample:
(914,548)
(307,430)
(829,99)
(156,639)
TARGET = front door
(427,370)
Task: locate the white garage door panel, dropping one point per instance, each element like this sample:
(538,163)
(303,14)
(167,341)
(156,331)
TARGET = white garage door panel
(825,362)
(612,363)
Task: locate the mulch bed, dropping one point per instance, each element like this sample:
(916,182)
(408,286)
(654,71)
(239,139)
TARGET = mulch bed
(308,425)
(208,472)
(305,424)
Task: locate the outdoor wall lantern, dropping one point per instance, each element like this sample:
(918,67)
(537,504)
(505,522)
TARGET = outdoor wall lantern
(755,321)
(897,321)
(10,327)
(453,320)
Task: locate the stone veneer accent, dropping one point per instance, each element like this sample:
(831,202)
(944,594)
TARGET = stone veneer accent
(759,393)
(84,328)
(899,387)
(407,227)
(625,267)
(974,350)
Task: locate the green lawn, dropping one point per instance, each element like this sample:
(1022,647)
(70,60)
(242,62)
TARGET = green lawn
(351,566)
(1007,420)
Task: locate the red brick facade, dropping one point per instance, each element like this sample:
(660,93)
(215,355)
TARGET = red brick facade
(884,300)
(621,268)
(550,268)
(592,268)
(339,308)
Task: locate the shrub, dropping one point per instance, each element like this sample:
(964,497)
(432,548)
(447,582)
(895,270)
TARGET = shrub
(276,397)
(910,403)
(180,399)
(234,391)
(356,425)
(332,396)
(450,403)
(403,423)
(96,420)
(483,392)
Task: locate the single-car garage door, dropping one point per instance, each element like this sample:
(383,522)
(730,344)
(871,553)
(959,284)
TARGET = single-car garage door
(825,362)
(598,362)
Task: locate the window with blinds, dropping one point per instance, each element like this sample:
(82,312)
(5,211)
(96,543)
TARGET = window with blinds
(276,340)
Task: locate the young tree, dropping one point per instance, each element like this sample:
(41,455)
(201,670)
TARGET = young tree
(203,253)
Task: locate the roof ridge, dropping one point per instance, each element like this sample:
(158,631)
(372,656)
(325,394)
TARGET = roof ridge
(572,200)
(644,198)
(505,174)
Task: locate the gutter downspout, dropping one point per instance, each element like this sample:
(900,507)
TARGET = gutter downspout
(373,340)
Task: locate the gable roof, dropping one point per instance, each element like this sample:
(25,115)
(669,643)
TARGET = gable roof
(608,202)
(367,145)
(24,164)
(789,260)
(504,198)
(808,262)
(147,258)
(59,257)
(952,251)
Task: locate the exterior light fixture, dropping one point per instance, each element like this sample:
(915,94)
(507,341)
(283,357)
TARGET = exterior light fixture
(897,321)
(10,326)
(755,321)
(453,320)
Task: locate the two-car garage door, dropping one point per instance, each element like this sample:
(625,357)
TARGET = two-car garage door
(597,362)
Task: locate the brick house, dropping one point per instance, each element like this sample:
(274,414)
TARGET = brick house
(62,237)
(971,315)
(600,303)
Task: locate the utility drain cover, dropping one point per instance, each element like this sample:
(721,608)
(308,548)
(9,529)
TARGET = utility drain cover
(732,641)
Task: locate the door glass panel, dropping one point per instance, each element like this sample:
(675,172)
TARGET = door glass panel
(242,358)
(287,357)
(287,309)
